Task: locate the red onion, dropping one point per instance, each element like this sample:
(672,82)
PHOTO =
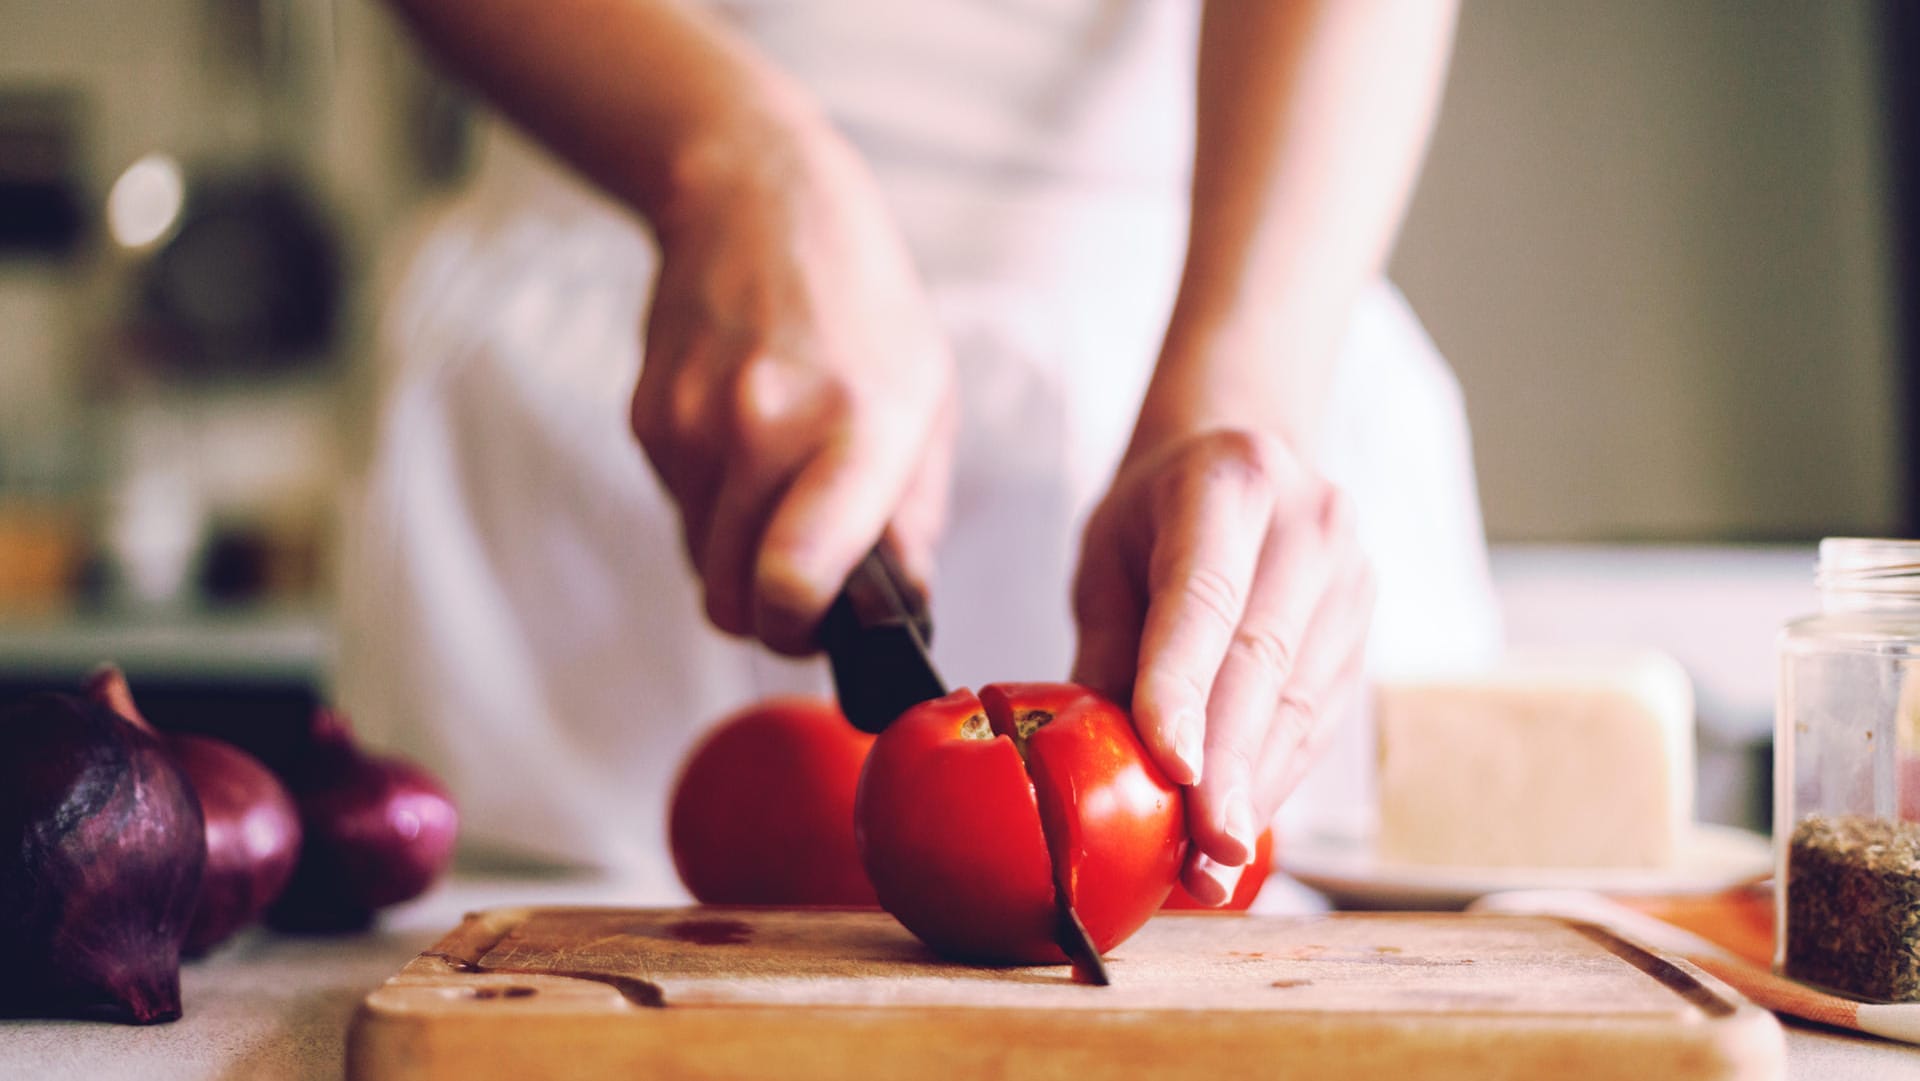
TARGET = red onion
(379,830)
(253,828)
(101,850)
(253,837)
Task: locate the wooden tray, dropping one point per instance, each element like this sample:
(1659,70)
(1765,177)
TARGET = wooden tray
(773,994)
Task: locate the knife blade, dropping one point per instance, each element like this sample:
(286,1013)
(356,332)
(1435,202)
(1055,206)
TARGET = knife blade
(876,635)
(1071,936)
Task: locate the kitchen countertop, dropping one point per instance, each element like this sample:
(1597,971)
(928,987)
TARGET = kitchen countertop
(272,1008)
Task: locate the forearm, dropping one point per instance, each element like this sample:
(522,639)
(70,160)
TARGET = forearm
(1313,118)
(648,98)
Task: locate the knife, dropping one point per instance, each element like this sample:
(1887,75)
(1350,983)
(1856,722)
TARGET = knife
(876,635)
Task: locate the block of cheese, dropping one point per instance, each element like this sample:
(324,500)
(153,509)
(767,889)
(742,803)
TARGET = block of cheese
(1545,760)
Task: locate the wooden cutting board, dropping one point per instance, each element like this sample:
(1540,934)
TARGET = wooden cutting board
(772,994)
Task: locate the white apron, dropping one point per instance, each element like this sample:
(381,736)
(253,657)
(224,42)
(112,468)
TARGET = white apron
(516,607)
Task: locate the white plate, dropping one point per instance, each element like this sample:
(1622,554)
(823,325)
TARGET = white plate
(1346,869)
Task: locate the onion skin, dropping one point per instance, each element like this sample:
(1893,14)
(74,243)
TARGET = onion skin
(253,837)
(103,846)
(378,830)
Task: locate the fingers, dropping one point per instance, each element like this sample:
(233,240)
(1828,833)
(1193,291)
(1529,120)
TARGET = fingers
(773,420)
(1326,683)
(1209,881)
(781,487)
(1209,527)
(671,418)
(747,497)
(836,508)
(1294,573)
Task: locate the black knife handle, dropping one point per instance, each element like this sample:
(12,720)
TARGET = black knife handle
(878,593)
(876,636)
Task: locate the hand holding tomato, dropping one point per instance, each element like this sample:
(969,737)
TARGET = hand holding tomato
(762,813)
(1221,586)
(973,810)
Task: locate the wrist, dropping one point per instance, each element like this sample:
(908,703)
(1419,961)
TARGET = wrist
(767,144)
(1263,375)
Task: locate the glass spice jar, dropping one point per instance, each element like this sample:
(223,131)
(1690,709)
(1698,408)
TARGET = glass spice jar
(1847,777)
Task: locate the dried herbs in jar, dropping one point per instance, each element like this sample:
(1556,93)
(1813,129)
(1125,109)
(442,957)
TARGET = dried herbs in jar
(1853,906)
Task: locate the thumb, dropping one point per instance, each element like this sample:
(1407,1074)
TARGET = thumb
(831,514)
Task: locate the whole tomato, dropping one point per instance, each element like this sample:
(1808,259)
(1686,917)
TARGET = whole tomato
(974,809)
(762,812)
(1251,880)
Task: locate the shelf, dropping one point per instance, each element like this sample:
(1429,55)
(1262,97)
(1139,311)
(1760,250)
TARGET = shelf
(293,644)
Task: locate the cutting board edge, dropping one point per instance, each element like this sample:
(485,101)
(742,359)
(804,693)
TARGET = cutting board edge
(390,1040)
(703,1041)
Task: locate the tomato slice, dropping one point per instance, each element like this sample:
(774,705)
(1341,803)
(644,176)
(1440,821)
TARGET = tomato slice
(1115,826)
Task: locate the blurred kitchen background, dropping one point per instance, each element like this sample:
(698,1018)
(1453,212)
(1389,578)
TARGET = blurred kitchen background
(1662,244)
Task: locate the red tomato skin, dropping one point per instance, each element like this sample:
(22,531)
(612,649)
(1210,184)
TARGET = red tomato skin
(1116,824)
(1243,895)
(762,812)
(950,827)
(950,835)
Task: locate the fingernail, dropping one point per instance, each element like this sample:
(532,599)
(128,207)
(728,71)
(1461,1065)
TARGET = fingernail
(1189,738)
(1238,819)
(1221,875)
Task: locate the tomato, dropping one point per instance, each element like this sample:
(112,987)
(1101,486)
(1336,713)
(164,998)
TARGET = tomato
(1254,877)
(974,809)
(762,812)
